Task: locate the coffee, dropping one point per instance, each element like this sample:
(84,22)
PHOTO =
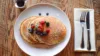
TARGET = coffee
(20,3)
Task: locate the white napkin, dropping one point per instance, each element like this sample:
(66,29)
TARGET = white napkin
(78,30)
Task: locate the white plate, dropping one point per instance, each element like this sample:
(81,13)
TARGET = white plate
(34,11)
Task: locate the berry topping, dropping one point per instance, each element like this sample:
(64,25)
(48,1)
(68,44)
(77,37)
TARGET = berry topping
(30,30)
(40,27)
(32,26)
(47,14)
(39,14)
(41,34)
(47,24)
(42,22)
(44,33)
(37,32)
(47,31)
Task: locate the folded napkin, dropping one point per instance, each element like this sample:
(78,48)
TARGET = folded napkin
(78,30)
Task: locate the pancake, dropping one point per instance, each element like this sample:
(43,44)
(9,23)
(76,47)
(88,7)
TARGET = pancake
(30,39)
(24,32)
(56,35)
(57,30)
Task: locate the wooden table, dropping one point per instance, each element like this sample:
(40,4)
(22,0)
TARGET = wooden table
(8,15)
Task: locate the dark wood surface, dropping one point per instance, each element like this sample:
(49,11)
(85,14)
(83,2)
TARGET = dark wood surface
(9,14)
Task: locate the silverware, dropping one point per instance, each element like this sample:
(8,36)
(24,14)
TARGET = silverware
(88,31)
(82,21)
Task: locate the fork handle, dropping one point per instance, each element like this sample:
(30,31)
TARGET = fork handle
(82,41)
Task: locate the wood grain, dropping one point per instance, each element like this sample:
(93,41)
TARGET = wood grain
(8,15)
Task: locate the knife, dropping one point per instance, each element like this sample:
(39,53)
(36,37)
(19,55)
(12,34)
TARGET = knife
(88,30)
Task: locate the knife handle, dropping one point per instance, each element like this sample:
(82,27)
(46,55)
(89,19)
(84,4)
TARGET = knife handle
(88,44)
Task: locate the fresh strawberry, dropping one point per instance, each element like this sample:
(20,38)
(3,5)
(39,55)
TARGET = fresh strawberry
(47,30)
(32,26)
(40,28)
(42,22)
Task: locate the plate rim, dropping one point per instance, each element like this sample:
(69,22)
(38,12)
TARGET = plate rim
(40,5)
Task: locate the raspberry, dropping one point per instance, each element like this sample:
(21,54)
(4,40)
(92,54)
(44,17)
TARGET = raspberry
(47,31)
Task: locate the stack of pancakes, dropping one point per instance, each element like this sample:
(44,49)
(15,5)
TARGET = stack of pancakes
(56,35)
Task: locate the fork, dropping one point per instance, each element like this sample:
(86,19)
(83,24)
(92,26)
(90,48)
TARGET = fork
(82,22)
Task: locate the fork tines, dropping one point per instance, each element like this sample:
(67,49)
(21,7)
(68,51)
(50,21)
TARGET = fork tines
(82,18)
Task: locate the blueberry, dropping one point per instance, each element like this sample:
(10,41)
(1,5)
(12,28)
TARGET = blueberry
(30,30)
(44,33)
(39,14)
(37,32)
(41,34)
(47,14)
(47,24)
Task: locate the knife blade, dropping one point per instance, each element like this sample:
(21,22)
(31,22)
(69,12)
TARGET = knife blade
(88,30)
(88,21)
